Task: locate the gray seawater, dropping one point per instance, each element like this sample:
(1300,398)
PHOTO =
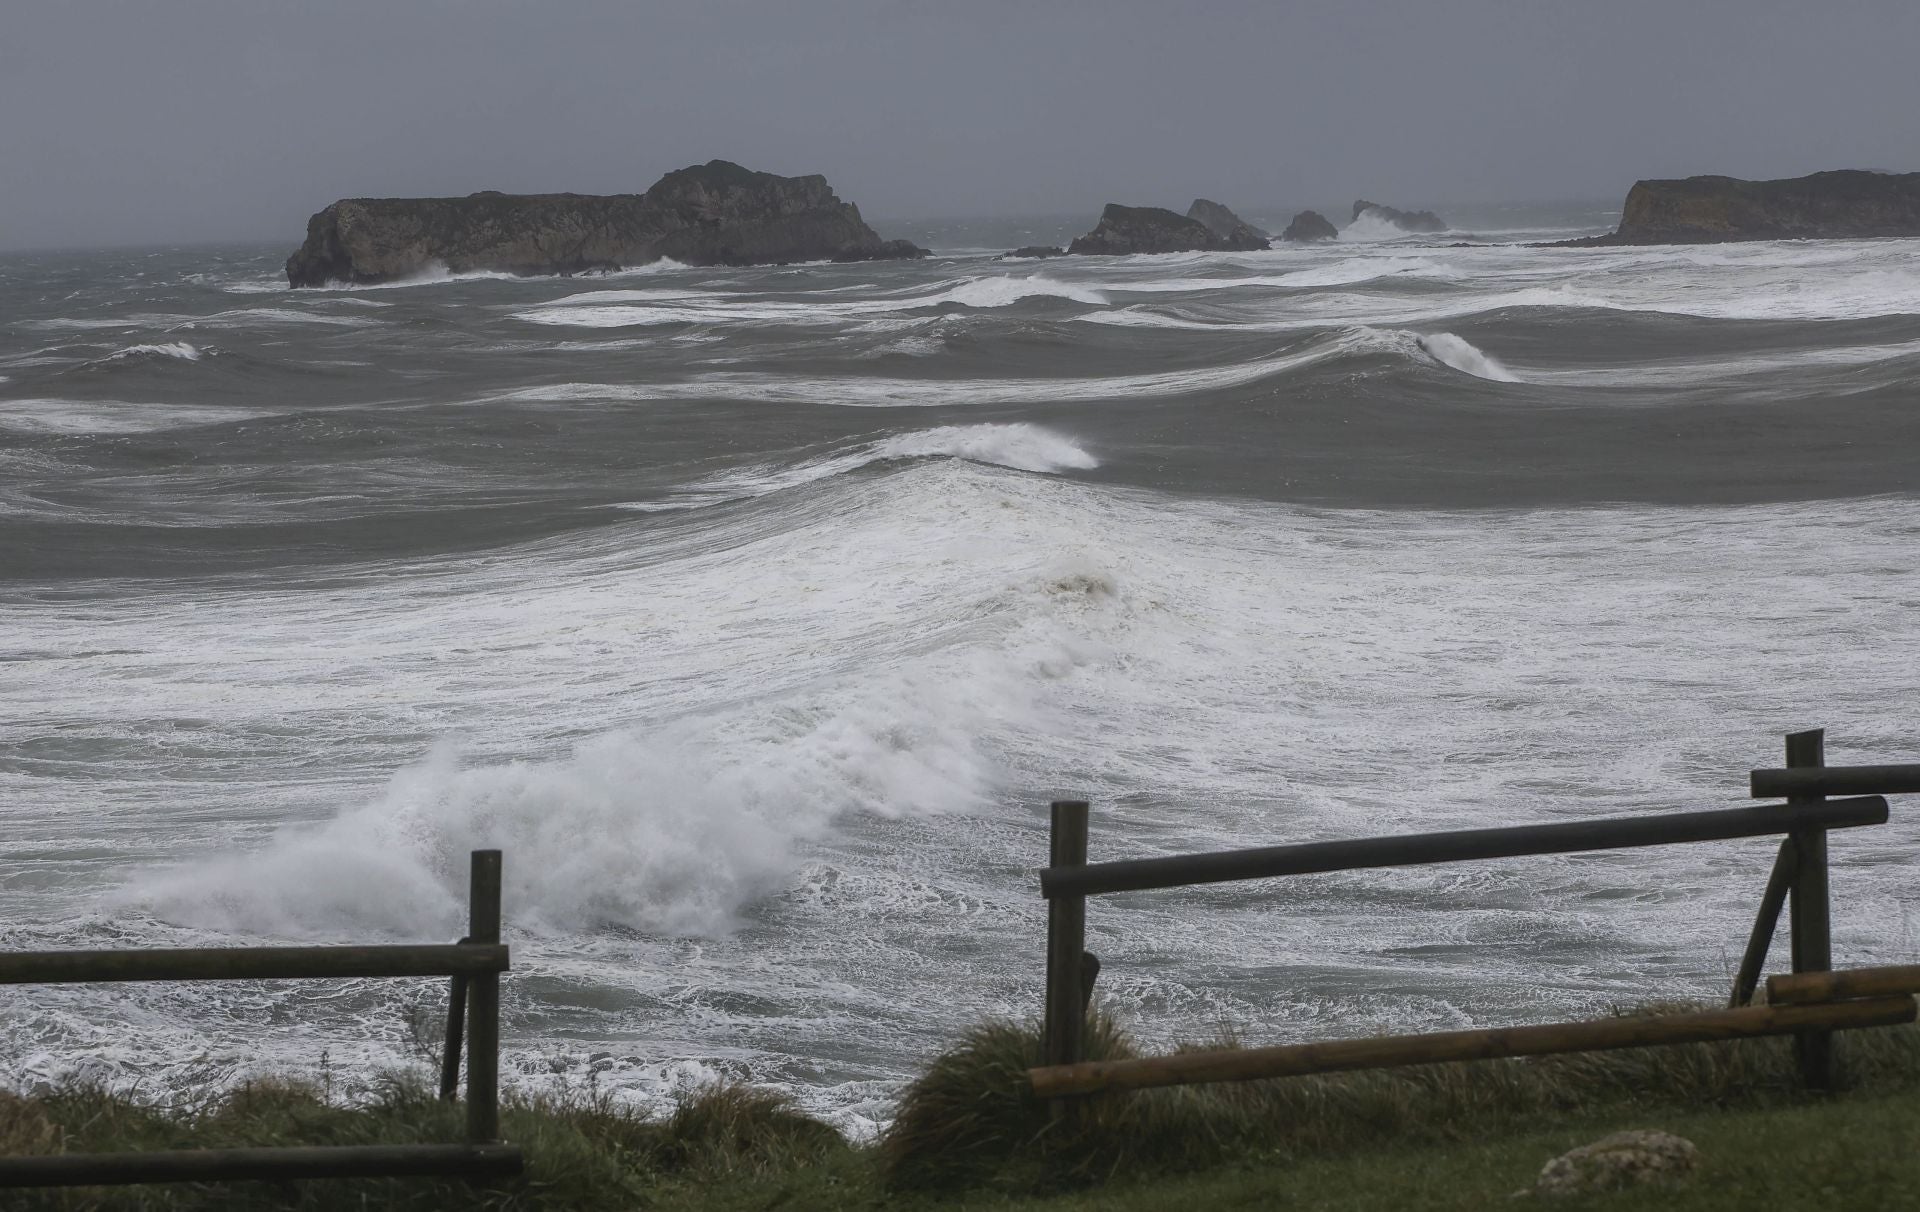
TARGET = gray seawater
(757,614)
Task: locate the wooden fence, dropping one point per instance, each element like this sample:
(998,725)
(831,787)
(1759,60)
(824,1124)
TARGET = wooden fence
(474,964)
(1809,1004)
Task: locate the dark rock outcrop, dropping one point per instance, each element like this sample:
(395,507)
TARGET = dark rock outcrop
(1152,229)
(1310,225)
(1035,250)
(1405,220)
(716,213)
(1227,225)
(1837,205)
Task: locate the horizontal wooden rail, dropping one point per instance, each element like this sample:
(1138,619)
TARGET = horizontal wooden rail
(1800,988)
(203,1165)
(1298,1060)
(1834,780)
(250,963)
(1415,849)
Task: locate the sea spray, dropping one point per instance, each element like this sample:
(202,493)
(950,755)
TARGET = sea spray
(1463,356)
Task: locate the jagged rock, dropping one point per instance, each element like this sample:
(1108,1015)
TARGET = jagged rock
(886,250)
(1152,229)
(1405,220)
(1624,1159)
(1842,204)
(1227,225)
(1310,225)
(716,213)
(1035,250)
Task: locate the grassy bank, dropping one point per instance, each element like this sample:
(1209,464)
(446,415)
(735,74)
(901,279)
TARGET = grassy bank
(969,1136)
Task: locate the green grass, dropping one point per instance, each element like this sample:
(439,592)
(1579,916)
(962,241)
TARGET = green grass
(582,1153)
(969,1136)
(971,1122)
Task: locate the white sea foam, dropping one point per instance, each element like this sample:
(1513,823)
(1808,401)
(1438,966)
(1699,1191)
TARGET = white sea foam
(1003,290)
(840,721)
(639,295)
(1463,356)
(1372,227)
(436,274)
(912,345)
(874,392)
(673,830)
(179,350)
(112,416)
(629,308)
(1020,446)
(258,317)
(837,716)
(679,825)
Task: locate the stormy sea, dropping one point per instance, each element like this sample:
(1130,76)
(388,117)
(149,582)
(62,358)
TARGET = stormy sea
(757,614)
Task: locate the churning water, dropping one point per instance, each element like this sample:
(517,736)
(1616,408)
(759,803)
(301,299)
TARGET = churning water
(758,613)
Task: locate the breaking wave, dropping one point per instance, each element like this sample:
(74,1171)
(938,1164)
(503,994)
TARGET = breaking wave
(180,350)
(1460,354)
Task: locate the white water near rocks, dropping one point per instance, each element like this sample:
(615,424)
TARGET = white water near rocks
(763,695)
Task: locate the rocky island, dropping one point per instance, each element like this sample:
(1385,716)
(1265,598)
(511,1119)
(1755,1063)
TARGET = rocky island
(1152,229)
(1836,205)
(1227,225)
(1309,225)
(1405,220)
(1034,251)
(716,213)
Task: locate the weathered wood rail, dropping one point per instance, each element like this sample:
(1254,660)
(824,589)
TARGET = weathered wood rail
(474,964)
(1809,1004)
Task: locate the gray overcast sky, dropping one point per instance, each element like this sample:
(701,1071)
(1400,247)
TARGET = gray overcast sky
(232,119)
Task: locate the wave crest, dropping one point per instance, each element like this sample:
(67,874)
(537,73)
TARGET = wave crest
(1462,355)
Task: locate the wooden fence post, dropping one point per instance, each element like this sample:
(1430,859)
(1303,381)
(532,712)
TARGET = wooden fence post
(455,1037)
(1066,940)
(1811,925)
(1760,939)
(483,1004)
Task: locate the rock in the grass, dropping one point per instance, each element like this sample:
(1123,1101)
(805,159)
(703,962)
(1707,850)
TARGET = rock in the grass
(1625,1159)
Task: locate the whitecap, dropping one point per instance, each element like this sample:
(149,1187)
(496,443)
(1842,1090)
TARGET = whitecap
(111,416)
(1446,348)
(179,350)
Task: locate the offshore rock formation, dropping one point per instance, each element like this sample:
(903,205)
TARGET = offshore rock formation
(1405,220)
(1035,250)
(716,213)
(1225,224)
(1837,205)
(1310,225)
(1152,229)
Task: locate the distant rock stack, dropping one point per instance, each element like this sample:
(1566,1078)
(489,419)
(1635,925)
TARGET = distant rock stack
(1035,251)
(1310,225)
(1842,204)
(1405,220)
(1125,230)
(1227,225)
(716,213)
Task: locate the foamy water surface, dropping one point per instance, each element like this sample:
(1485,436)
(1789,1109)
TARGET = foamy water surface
(757,614)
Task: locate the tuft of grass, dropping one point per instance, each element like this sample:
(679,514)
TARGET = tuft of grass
(25,1127)
(740,1128)
(582,1152)
(971,1120)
